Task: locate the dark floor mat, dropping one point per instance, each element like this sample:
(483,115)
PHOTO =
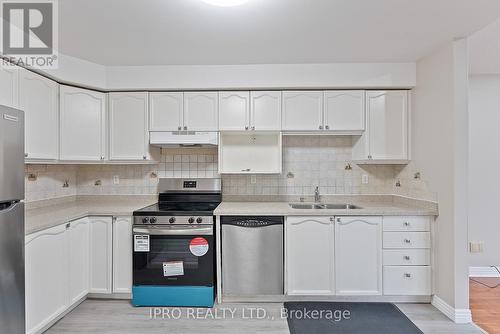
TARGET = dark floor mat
(347,318)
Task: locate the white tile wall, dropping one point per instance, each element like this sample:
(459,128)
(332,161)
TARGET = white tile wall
(308,161)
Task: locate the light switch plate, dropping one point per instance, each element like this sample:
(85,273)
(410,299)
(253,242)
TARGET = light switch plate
(116,179)
(476,247)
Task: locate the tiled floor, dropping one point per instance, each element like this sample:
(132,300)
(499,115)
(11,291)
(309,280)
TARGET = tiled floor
(485,304)
(111,316)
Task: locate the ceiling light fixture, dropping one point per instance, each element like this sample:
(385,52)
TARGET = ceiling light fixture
(225,3)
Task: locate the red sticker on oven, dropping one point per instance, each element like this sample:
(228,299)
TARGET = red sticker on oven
(198,246)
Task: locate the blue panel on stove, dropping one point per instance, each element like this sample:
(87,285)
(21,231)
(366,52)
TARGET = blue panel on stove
(180,296)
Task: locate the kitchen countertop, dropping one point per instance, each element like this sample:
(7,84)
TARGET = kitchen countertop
(371,208)
(56,213)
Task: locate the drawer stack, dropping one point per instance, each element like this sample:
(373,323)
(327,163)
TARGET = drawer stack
(407,256)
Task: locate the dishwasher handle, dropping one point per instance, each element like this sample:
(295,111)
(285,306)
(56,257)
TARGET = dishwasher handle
(251,221)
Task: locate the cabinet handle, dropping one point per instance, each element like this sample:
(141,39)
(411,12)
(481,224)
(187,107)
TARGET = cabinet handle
(369,157)
(331,219)
(327,127)
(408,241)
(246,127)
(321,127)
(406,224)
(245,170)
(102,158)
(179,128)
(68,225)
(406,257)
(407,275)
(185,127)
(253,127)
(144,157)
(338,220)
(25,155)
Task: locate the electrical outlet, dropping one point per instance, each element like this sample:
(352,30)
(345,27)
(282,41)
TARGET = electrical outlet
(364,179)
(253,179)
(476,247)
(116,179)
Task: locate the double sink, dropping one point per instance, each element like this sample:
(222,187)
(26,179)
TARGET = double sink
(324,206)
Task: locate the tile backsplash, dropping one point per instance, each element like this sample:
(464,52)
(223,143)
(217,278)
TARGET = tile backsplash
(308,161)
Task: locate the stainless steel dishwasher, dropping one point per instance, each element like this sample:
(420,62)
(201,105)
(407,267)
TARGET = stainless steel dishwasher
(252,256)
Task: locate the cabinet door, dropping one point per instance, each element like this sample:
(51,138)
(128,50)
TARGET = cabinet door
(79,248)
(358,256)
(200,111)
(265,110)
(100,254)
(128,126)
(38,98)
(122,255)
(9,86)
(345,110)
(46,277)
(83,125)
(309,255)
(387,113)
(234,110)
(165,113)
(302,111)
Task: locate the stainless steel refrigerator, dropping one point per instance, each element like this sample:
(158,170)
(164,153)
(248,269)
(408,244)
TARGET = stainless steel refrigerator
(12,307)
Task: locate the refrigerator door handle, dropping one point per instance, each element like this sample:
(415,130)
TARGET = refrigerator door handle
(7,206)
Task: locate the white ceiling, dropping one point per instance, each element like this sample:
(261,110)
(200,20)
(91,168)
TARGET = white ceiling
(484,50)
(191,32)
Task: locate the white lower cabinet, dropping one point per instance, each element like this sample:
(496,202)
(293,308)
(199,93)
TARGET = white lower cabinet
(358,255)
(309,255)
(407,280)
(79,247)
(122,255)
(46,276)
(101,254)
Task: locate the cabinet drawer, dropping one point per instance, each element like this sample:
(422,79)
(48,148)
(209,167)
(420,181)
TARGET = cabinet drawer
(407,280)
(416,224)
(407,257)
(407,240)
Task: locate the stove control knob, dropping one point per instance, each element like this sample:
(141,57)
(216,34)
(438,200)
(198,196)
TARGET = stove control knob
(191,220)
(199,220)
(145,220)
(152,220)
(171,220)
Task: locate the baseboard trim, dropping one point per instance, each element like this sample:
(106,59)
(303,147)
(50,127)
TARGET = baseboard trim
(459,316)
(483,272)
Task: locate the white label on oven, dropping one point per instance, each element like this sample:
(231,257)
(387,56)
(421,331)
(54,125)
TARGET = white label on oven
(141,243)
(173,268)
(198,246)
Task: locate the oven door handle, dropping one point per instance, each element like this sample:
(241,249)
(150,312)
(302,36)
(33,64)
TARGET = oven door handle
(171,230)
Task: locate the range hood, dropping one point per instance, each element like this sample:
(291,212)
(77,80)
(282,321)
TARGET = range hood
(183,139)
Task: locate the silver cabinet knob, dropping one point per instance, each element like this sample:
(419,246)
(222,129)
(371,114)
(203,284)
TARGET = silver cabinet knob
(144,157)
(185,127)
(407,241)
(179,128)
(338,220)
(369,157)
(253,127)
(406,224)
(246,127)
(407,275)
(102,158)
(321,127)
(26,155)
(406,257)
(245,170)
(327,127)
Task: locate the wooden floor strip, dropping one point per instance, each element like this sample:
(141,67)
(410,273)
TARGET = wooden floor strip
(485,304)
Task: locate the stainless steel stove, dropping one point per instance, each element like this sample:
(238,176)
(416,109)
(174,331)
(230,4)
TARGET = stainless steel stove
(174,241)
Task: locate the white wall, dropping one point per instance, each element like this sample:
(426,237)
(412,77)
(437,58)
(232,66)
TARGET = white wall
(438,153)
(484,183)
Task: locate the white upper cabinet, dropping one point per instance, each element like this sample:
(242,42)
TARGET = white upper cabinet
(358,255)
(82,124)
(166,111)
(302,110)
(309,255)
(200,111)
(9,86)
(345,111)
(128,126)
(265,110)
(38,98)
(386,136)
(234,111)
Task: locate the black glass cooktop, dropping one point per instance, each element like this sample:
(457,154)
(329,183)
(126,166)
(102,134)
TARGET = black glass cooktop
(177,209)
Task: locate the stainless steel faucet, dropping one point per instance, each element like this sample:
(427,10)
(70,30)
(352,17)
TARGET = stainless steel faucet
(317,196)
